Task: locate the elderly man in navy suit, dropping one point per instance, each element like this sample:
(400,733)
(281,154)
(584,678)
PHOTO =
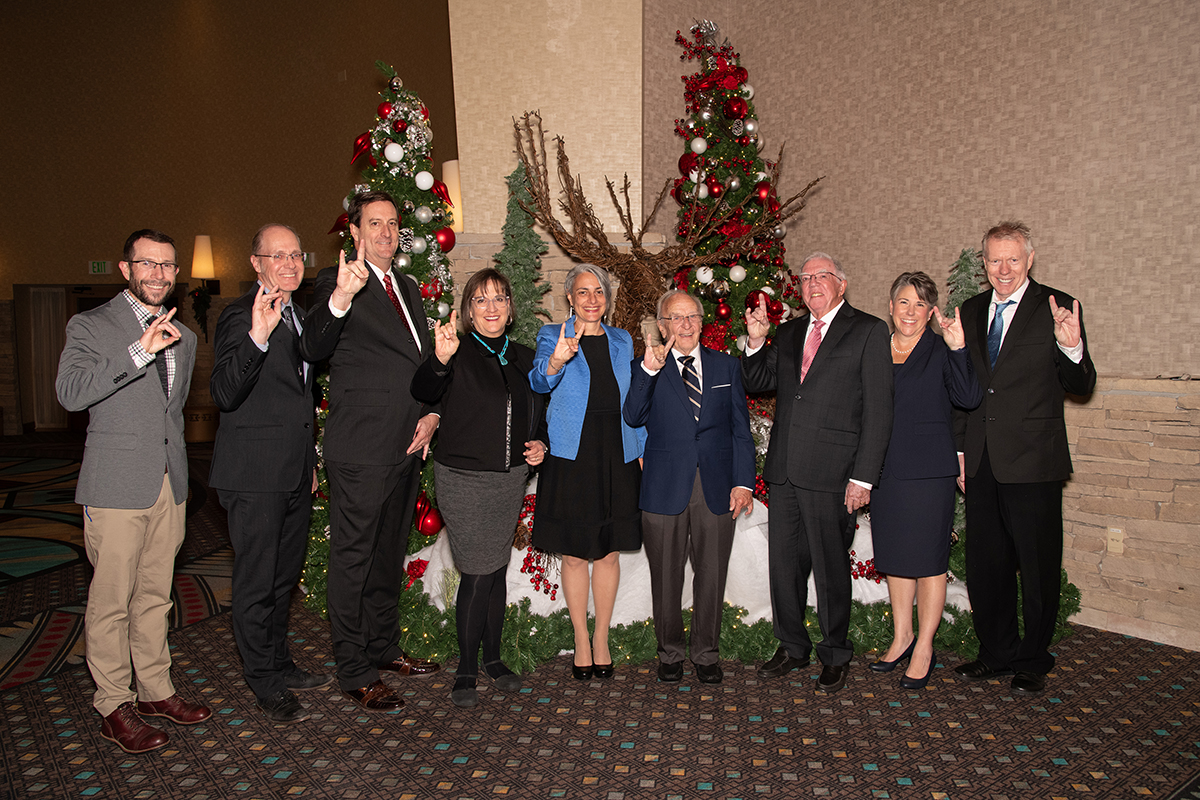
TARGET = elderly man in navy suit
(130,366)
(264,466)
(696,479)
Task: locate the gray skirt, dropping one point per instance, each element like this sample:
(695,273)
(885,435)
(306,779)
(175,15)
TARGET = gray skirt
(481,511)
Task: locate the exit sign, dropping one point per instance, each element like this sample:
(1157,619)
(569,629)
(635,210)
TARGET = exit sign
(98,268)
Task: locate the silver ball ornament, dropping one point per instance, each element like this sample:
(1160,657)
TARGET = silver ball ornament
(718,289)
(752,126)
(419,245)
(779,231)
(735,183)
(423,214)
(403,261)
(747,91)
(395,84)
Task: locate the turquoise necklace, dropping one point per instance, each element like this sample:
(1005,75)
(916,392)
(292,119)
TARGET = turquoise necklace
(500,355)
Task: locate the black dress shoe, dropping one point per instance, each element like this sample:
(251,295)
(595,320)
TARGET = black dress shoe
(375,697)
(918,683)
(302,681)
(832,677)
(670,673)
(781,664)
(1028,683)
(464,694)
(282,708)
(581,673)
(979,671)
(879,665)
(709,673)
(502,677)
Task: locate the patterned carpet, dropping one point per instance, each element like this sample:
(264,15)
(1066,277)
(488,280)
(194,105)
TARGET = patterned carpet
(1119,719)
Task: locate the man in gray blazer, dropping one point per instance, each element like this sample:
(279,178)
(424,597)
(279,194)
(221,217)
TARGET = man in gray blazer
(832,371)
(263,466)
(130,366)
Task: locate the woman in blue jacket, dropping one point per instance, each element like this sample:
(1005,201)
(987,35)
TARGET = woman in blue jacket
(912,508)
(587,507)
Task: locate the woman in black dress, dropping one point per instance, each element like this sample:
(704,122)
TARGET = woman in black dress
(587,507)
(912,508)
(492,432)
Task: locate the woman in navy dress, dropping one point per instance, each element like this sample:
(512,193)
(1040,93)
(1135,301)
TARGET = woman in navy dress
(912,508)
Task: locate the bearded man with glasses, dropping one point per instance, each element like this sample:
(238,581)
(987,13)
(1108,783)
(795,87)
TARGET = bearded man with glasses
(130,366)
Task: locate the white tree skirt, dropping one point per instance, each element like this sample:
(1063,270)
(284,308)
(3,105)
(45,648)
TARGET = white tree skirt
(748,584)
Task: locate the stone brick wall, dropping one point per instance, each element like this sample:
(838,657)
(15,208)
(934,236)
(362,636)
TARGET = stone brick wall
(1132,509)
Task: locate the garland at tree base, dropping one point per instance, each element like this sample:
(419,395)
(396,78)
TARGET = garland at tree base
(531,639)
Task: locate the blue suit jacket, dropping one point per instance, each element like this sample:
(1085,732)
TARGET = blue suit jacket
(719,444)
(568,390)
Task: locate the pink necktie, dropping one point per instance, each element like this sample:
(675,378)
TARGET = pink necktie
(810,348)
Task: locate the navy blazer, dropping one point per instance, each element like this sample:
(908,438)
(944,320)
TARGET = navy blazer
(928,385)
(719,444)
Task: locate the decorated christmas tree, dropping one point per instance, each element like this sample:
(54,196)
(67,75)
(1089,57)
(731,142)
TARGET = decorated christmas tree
(520,261)
(723,175)
(396,157)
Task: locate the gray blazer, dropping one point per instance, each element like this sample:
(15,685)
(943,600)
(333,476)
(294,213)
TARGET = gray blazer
(134,432)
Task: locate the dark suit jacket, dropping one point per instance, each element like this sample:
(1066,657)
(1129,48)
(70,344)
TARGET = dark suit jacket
(835,426)
(133,430)
(265,441)
(929,384)
(719,445)
(372,359)
(1021,417)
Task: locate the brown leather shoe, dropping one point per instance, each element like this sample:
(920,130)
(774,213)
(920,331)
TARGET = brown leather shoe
(375,697)
(129,732)
(176,709)
(411,667)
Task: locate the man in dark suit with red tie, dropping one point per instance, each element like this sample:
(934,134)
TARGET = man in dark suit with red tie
(1029,350)
(832,373)
(696,478)
(264,466)
(368,321)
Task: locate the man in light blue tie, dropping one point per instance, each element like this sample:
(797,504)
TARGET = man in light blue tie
(1029,350)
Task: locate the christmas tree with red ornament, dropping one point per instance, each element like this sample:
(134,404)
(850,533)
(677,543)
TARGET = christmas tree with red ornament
(722,176)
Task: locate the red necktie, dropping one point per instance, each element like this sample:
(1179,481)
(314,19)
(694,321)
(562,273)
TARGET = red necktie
(391,293)
(810,348)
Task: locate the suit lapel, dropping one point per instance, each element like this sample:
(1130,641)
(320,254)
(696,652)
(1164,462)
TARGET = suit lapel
(833,334)
(675,381)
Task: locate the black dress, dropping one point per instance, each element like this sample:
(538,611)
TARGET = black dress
(588,507)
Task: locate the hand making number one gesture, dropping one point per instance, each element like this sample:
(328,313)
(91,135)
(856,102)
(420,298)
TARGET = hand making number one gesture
(564,351)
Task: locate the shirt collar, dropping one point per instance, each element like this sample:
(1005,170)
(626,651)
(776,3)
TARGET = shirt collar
(1015,296)
(144,315)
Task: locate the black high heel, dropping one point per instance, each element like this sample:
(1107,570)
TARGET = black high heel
(581,673)
(879,665)
(603,670)
(919,683)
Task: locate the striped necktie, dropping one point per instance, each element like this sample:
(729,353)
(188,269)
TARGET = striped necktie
(691,382)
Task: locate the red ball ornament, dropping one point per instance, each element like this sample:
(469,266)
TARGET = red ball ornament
(777,261)
(774,310)
(715,187)
(445,239)
(687,162)
(723,311)
(752,299)
(736,108)
(385,110)
(430,523)
(762,191)
(743,140)
(741,74)
(400,125)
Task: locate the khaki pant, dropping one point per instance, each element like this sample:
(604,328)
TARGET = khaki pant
(133,552)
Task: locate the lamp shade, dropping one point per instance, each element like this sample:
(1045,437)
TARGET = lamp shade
(453,183)
(202,259)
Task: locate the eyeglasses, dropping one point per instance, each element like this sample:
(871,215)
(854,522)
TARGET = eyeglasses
(805,277)
(482,302)
(283,258)
(146,265)
(679,318)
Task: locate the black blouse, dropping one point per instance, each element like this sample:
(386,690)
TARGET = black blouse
(471,393)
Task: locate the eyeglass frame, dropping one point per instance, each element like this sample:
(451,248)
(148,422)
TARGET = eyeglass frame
(280,258)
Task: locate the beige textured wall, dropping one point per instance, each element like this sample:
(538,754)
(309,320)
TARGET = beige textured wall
(934,120)
(578,63)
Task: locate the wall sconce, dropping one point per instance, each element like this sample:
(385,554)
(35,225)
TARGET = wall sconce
(204,271)
(453,182)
